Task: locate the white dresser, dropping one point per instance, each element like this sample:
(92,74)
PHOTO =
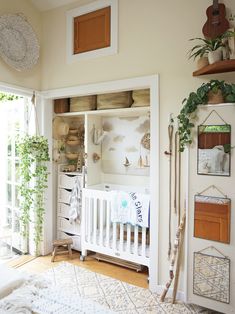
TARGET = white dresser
(65,228)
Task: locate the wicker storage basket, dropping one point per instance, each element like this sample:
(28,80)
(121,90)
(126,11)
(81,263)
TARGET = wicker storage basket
(114,100)
(82,103)
(61,105)
(141,98)
(215,98)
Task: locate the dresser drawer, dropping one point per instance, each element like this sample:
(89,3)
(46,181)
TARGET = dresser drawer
(67,181)
(76,239)
(64,195)
(65,225)
(63,210)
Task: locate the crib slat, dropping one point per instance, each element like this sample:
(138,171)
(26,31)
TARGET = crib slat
(143,241)
(128,244)
(121,238)
(136,240)
(114,235)
(101,202)
(88,215)
(108,223)
(95,219)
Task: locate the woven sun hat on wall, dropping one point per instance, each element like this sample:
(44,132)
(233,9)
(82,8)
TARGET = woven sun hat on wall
(60,128)
(19,45)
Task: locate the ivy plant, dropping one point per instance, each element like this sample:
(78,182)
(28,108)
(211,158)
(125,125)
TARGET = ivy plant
(190,105)
(34,155)
(7,97)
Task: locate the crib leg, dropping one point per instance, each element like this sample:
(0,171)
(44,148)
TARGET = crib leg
(82,258)
(83,255)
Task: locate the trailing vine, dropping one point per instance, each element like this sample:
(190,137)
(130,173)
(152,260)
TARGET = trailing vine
(200,97)
(34,154)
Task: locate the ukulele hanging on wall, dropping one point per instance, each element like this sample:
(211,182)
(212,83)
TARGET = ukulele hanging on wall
(216,23)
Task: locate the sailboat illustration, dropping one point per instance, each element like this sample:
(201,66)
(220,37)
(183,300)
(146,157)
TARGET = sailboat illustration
(146,162)
(140,162)
(127,163)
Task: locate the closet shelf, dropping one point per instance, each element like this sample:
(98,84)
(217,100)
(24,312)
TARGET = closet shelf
(217,67)
(108,112)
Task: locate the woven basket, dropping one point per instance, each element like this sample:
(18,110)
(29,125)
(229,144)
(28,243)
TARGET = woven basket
(61,105)
(215,98)
(83,103)
(114,100)
(141,98)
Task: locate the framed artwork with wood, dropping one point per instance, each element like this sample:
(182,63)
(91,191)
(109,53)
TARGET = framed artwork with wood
(92,30)
(214,146)
(211,276)
(212,218)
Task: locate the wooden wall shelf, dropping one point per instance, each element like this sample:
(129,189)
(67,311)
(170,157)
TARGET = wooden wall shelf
(217,67)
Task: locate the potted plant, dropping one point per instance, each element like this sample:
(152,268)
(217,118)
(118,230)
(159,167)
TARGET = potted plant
(34,155)
(211,48)
(200,97)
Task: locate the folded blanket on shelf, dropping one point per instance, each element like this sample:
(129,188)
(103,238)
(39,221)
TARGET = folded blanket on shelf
(130,208)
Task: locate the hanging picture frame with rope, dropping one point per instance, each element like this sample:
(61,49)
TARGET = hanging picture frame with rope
(214,148)
(211,275)
(212,216)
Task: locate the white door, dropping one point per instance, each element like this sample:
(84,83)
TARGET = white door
(14,122)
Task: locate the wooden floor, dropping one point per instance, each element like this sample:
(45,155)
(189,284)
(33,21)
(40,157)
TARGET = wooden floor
(42,263)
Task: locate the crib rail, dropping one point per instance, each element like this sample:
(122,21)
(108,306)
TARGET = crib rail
(103,236)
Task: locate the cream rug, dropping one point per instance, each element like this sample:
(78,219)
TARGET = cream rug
(118,296)
(70,289)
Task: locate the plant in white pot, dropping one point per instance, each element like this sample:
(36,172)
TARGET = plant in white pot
(211,48)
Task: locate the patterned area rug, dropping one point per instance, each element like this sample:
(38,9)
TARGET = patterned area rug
(115,295)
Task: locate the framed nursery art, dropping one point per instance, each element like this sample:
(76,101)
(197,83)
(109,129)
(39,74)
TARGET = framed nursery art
(212,218)
(211,276)
(214,146)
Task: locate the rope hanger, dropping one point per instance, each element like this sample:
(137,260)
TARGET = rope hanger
(33,102)
(214,111)
(213,187)
(212,248)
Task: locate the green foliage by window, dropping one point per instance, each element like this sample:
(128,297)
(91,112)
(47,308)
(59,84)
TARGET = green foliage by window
(6,97)
(33,154)
(200,97)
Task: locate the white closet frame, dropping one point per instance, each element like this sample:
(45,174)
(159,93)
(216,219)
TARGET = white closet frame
(151,82)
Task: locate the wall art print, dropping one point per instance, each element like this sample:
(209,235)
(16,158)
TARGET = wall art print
(211,277)
(214,145)
(212,217)
(126,147)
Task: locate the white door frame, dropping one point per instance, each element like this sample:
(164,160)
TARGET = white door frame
(151,82)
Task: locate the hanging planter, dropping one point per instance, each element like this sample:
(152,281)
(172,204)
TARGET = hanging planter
(223,92)
(34,155)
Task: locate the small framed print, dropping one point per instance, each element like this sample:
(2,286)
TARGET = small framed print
(212,216)
(214,146)
(211,277)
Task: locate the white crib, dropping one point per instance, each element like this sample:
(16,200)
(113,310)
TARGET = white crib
(99,234)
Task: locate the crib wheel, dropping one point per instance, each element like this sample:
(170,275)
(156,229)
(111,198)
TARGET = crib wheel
(82,258)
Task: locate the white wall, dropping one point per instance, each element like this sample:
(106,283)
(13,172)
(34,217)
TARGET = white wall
(29,78)
(153,38)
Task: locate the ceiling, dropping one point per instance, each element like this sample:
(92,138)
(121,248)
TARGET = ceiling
(44,5)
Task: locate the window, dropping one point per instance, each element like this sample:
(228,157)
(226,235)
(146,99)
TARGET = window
(14,122)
